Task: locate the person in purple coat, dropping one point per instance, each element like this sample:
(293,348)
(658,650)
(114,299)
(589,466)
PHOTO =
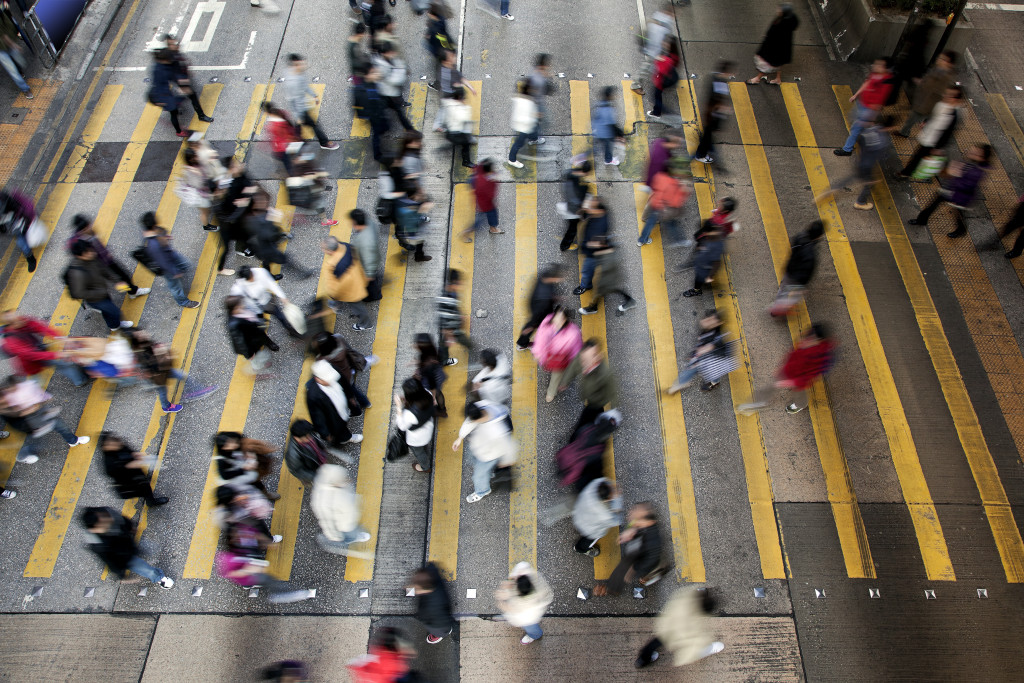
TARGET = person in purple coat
(962,189)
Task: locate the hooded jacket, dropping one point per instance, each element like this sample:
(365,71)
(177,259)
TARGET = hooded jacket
(334,502)
(556,349)
(592,516)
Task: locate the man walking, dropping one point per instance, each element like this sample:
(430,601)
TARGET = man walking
(346,281)
(598,387)
(543,300)
(298,95)
(938,129)
(598,510)
(450,80)
(593,234)
(374,110)
(611,279)
(574,192)
(433,603)
(869,98)
(84,231)
(86,278)
(171,264)
(364,242)
(929,90)
(641,552)
(112,539)
(485,191)
(450,319)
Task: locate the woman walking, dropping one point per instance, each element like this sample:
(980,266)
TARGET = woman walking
(249,337)
(128,470)
(429,371)
(414,416)
(962,189)
(523,598)
(195,189)
(776,49)
(666,73)
(329,407)
(556,343)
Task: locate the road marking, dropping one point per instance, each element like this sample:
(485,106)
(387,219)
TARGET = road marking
(446,496)
(197,67)
(931,539)
(215,8)
(853,538)
(965,419)
(995,6)
(522,518)
(1007,122)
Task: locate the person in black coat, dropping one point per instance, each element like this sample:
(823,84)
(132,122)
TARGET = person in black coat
(803,257)
(305,451)
(126,468)
(184,78)
(641,552)
(160,93)
(329,405)
(112,539)
(248,337)
(776,50)
(543,300)
(433,603)
(264,236)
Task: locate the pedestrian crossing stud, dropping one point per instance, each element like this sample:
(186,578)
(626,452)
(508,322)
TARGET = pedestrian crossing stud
(759,592)
(819,592)
(982,593)
(929,595)
(874,593)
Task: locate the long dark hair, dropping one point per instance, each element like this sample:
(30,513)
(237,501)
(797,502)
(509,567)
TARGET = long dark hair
(425,345)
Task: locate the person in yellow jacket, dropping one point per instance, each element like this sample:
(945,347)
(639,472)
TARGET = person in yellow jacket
(346,280)
(683,628)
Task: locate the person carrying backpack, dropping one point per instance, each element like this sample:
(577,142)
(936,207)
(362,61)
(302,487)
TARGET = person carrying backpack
(172,265)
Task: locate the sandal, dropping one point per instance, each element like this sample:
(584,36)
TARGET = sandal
(600,590)
(496,231)
(416,466)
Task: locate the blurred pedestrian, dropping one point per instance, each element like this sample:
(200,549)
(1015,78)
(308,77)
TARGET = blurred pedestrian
(610,280)
(875,145)
(23,339)
(490,441)
(459,126)
(660,154)
(451,320)
(910,60)
(716,111)
(18,217)
(170,263)
(249,572)
(84,231)
(710,247)
(305,452)
(541,86)
(666,73)
(394,80)
(262,295)
(264,236)
(598,510)
(485,193)
(23,406)
(195,189)
(329,406)
(641,548)
(346,282)
(298,95)
(12,52)
(367,248)
(183,75)
(596,228)
(244,462)
(543,300)
(433,603)
(283,134)
(661,23)
(683,628)
(598,388)
(429,370)
(1015,222)
(930,90)
(87,279)
(803,257)
(869,98)
(371,106)
(525,121)
(776,49)
(387,660)
(165,74)
(605,127)
(414,417)
(112,539)
(961,190)
(574,192)
(581,460)
(232,202)
(154,362)
(557,342)
(358,59)
(494,381)
(712,356)
(248,336)
(129,470)
(437,40)
(451,80)
(670,189)
(336,505)
(814,355)
(286,671)
(523,598)
(938,130)
(336,350)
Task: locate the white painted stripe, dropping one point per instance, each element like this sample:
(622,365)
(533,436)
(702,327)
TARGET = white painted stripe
(214,8)
(995,6)
(211,67)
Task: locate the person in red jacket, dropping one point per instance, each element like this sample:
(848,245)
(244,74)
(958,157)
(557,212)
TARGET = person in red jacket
(666,73)
(869,99)
(485,190)
(282,134)
(24,340)
(813,356)
(386,662)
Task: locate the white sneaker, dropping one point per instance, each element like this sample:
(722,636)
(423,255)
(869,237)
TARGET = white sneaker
(615,161)
(127,324)
(141,291)
(28,459)
(653,115)
(276,538)
(372,360)
(362,537)
(356,438)
(8,494)
(82,440)
(508,16)
(540,141)
(167,583)
(514,164)
(713,649)
(526,640)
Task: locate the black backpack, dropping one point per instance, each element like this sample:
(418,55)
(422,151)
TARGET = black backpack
(671,79)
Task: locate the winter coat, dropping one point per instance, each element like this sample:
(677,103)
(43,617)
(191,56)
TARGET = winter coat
(804,364)
(662,67)
(129,482)
(777,47)
(160,92)
(603,121)
(683,626)
(556,349)
(644,549)
(491,439)
(803,257)
(335,502)
(87,280)
(592,516)
(304,459)
(574,191)
(524,610)
(543,299)
(322,412)
(116,546)
(668,192)
(495,384)
(247,336)
(346,281)
(26,348)
(596,226)
(658,156)
(962,189)
(929,91)
(434,609)
(610,276)
(394,76)
(163,256)
(597,387)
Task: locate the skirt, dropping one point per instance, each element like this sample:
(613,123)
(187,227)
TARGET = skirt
(763,66)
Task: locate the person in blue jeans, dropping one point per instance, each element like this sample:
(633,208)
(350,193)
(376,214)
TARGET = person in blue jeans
(112,539)
(86,278)
(504,11)
(486,430)
(23,407)
(593,233)
(525,121)
(523,599)
(10,50)
(173,266)
(605,126)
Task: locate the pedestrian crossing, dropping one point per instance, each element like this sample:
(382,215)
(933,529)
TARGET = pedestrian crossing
(687,521)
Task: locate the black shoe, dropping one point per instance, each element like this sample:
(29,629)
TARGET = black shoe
(693,292)
(210,227)
(432,85)
(30,261)
(708,386)
(422,257)
(579,290)
(272,345)
(841,152)
(248,253)
(279,277)
(206,119)
(914,221)
(1012,254)
(959,232)
(159,500)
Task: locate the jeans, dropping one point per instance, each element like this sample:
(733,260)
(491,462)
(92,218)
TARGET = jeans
(362,313)
(74,373)
(338,547)
(58,426)
(139,566)
(587,274)
(706,145)
(259,362)
(422,455)
(491,216)
(161,390)
(22,243)
(442,345)
(520,140)
(111,313)
(606,144)
(670,226)
(307,120)
(596,302)
(686,374)
(533,630)
(504,7)
(177,284)
(12,70)
(482,476)
(862,114)
(377,131)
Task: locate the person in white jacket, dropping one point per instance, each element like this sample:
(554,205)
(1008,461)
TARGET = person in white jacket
(394,76)
(494,382)
(337,509)
(486,428)
(257,287)
(414,417)
(525,117)
(598,510)
(523,599)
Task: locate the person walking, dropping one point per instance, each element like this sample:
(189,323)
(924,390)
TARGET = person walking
(605,127)
(334,349)
(869,99)
(261,294)
(574,193)
(930,90)
(485,193)
(232,203)
(248,336)
(596,228)
(23,339)
(712,356)
(459,125)
(543,300)
(525,121)
(451,80)
(346,281)
(611,278)
(305,452)
(298,95)
(557,343)
(18,217)
(181,67)
(283,134)
(436,38)
(195,188)
(494,381)
(641,548)
(1015,222)
(155,363)
(486,428)
(23,407)
(358,60)
(264,236)
(776,49)
(11,51)
(433,602)
(711,244)
(84,231)
(86,278)
(666,73)
(164,74)
(938,130)
(172,265)
(661,23)
(112,539)
(683,628)
(875,145)
(242,465)
(430,371)
(336,505)
(961,190)
(394,80)
(329,408)
(597,511)
(814,355)
(523,598)
(541,86)
(803,257)
(414,417)
(670,190)
(374,110)
(451,320)
(127,469)
(598,388)
(660,154)
(366,247)
(716,111)
(241,569)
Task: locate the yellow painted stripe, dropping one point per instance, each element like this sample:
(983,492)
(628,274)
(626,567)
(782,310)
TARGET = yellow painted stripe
(252,115)
(931,539)
(20,278)
(579,112)
(682,502)
(447,485)
(288,510)
(965,419)
(853,538)
(261,117)
(473,100)
(370,477)
(1007,122)
(522,532)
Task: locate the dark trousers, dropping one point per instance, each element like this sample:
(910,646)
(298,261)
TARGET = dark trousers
(526,334)
(307,120)
(228,235)
(124,276)
(194,99)
(658,102)
(111,313)
(460,141)
(174,120)
(707,139)
(373,288)
(1016,221)
(915,159)
(570,234)
(926,213)
(597,299)
(584,544)
(649,649)
(377,131)
(587,416)
(395,104)
(520,140)
(442,344)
